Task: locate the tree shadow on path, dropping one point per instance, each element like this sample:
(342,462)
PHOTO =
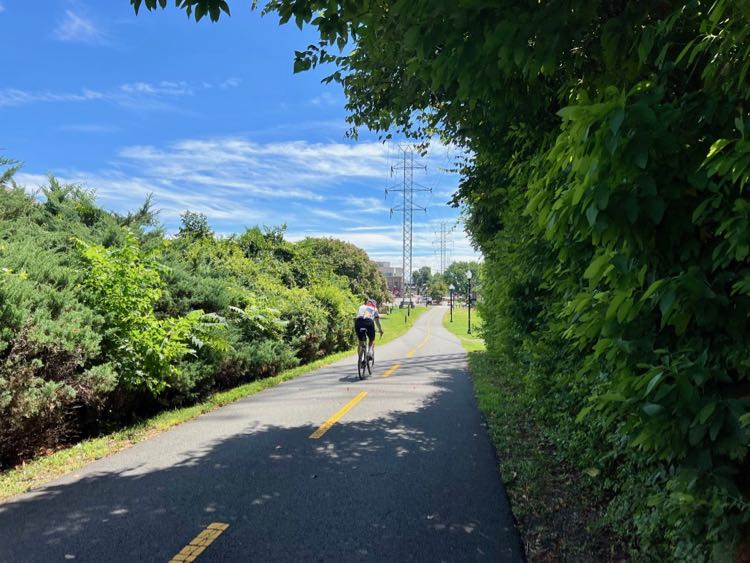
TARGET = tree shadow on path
(416,484)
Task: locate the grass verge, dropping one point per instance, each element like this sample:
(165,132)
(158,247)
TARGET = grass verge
(555,504)
(460,326)
(397,323)
(37,472)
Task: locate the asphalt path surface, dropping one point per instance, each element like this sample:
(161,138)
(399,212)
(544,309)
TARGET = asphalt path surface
(406,474)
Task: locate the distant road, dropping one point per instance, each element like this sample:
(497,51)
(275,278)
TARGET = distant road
(322,468)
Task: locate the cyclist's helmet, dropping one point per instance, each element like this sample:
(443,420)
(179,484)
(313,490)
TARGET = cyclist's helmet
(372,301)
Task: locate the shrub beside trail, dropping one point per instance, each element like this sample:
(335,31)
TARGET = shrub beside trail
(104,319)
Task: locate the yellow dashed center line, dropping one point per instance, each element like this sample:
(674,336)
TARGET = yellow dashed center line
(391,369)
(426,338)
(200,542)
(326,426)
(341,412)
(411,353)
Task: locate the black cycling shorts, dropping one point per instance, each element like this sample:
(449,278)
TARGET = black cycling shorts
(367,324)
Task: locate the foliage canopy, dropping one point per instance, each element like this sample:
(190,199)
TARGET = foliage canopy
(606,187)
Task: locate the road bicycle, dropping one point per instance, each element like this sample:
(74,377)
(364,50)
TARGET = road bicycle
(363,362)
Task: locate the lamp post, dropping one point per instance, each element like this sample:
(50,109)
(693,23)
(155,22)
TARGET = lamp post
(452,287)
(468,277)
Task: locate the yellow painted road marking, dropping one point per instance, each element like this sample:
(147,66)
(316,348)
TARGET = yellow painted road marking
(341,412)
(200,542)
(411,353)
(391,369)
(426,338)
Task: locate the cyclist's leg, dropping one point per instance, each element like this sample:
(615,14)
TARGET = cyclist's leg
(371,338)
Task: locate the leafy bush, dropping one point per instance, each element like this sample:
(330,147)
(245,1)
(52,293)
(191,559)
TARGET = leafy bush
(340,310)
(124,285)
(102,318)
(47,336)
(306,323)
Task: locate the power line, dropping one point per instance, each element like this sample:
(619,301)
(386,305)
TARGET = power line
(443,241)
(408,187)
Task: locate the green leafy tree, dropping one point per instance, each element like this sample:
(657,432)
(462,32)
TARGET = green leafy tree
(194,226)
(437,289)
(455,274)
(350,261)
(421,278)
(11,167)
(606,186)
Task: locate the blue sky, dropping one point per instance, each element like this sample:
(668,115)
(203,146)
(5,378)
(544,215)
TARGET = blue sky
(207,117)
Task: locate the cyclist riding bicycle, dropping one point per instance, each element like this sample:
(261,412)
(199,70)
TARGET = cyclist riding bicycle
(367,317)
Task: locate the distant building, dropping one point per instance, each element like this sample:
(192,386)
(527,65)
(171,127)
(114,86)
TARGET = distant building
(393,276)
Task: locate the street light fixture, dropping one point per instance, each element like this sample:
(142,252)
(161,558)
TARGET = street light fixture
(452,287)
(468,277)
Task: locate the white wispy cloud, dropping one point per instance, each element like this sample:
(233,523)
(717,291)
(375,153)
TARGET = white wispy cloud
(121,193)
(239,162)
(233,180)
(16,97)
(367,205)
(133,94)
(370,228)
(76,28)
(163,88)
(2,8)
(328,214)
(326,99)
(318,189)
(230,83)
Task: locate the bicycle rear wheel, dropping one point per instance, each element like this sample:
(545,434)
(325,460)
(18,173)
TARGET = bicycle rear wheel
(361,362)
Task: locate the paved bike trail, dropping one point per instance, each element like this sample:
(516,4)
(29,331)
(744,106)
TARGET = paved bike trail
(406,474)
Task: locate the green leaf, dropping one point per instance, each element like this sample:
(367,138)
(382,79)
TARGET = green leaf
(652,289)
(684,51)
(706,412)
(715,427)
(653,383)
(619,297)
(655,209)
(696,434)
(602,196)
(631,208)
(591,214)
(596,266)
(666,301)
(615,119)
(584,411)
(641,157)
(652,409)
(717,147)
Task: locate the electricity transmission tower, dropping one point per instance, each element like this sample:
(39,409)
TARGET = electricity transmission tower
(408,187)
(442,241)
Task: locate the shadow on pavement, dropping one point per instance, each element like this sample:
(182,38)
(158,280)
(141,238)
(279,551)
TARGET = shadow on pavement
(419,484)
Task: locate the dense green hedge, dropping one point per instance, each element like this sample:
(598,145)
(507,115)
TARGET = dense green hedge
(104,319)
(605,183)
